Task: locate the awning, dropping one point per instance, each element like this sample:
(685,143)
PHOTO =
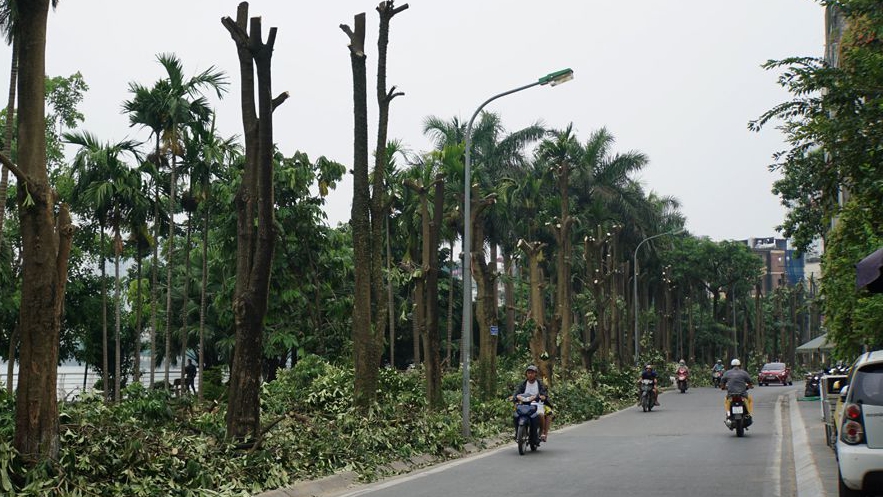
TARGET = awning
(867,272)
(818,343)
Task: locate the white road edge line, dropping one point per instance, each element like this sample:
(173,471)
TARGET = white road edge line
(774,471)
(809,483)
(395,480)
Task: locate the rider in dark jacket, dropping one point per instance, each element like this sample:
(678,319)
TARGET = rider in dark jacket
(533,385)
(650,374)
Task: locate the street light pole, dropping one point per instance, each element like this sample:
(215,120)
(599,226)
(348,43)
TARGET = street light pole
(635,284)
(551,79)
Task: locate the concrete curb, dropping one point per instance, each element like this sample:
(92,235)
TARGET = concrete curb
(339,482)
(809,483)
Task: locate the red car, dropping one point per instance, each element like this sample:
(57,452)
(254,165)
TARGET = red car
(774,372)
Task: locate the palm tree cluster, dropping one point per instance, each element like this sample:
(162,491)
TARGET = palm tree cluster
(563,214)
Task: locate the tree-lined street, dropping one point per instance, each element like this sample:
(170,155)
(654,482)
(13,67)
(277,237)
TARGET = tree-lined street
(680,448)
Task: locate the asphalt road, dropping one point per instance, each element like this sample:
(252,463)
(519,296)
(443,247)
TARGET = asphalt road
(681,448)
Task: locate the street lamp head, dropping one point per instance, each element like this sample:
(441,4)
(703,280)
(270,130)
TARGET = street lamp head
(557,77)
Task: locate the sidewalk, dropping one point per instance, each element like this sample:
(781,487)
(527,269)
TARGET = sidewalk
(814,460)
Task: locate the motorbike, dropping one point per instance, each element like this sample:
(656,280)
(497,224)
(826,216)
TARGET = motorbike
(716,378)
(527,431)
(739,418)
(647,397)
(812,381)
(682,375)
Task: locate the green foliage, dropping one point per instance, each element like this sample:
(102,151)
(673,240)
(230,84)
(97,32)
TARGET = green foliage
(853,318)
(212,384)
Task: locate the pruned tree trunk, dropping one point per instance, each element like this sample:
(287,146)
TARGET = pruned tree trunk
(433,337)
(364,339)
(379,201)
(46,241)
(509,296)
(255,229)
(426,306)
(538,336)
(563,313)
(484,305)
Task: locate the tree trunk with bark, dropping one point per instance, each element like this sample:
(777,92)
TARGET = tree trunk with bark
(450,326)
(203,297)
(509,298)
(563,313)
(364,340)
(539,335)
(379,203)
(255,230)
(154,272)
(117,304)
(46,241)
(186,300)
(390,300)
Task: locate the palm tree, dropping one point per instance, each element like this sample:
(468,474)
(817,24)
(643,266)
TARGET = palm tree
(104,186)
(496,153)
(604,192)
(170,105)
(145,109)
(561,154)
(210,152)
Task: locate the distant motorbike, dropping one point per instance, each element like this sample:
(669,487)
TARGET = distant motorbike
(682,375)
(739,418)
(812,381)
(716,378)
(647,396)
(526,423)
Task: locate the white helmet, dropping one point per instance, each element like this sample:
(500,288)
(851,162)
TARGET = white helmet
(735,362)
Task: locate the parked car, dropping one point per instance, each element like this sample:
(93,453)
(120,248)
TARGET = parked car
(774,372)
(860,438)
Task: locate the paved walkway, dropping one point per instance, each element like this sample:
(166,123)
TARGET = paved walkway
(822,456)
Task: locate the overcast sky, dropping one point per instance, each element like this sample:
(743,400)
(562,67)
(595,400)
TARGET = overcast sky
(677,79)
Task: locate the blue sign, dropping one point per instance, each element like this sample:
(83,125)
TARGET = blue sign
(495,330)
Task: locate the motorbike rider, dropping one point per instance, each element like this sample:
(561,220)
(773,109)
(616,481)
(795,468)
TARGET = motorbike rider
(534,386)
(682,366)
(717,369)
(737,381)
(650,374)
